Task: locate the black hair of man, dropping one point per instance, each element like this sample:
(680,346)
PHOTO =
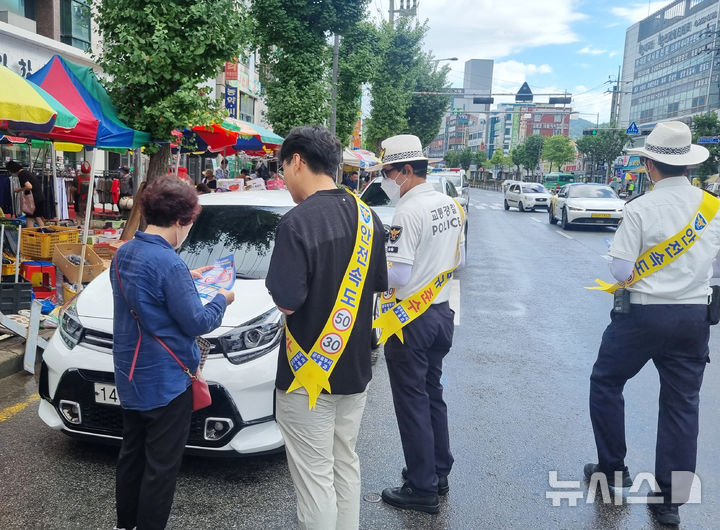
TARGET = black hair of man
(224,161)
(13,167)
(669,170)
(353,173)
(317,146)
(420,167)
(244,172)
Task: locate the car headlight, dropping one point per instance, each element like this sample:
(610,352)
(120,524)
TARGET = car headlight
(576,209)
(254,338)
(71,329)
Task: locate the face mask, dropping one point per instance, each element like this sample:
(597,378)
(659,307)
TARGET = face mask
(391,188)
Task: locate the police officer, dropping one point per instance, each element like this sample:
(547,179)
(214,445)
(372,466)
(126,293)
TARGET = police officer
(665,319)
(424,241)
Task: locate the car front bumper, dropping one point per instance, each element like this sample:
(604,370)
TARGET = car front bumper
(594,218)
(69,376)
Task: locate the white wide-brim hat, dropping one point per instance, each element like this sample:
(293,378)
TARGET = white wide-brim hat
(670,142)
(398,149)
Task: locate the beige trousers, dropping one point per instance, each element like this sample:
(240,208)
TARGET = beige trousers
(320,447)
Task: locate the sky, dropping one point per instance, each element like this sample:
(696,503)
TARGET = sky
(554,45)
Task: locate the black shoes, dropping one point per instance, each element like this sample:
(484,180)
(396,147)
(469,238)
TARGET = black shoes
(443,486)
(666,514)
(591,469)
(406,498)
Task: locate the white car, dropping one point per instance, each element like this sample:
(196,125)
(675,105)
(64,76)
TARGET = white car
(457,178)
(507,183)
(526,196)
(586,204)
(77,380)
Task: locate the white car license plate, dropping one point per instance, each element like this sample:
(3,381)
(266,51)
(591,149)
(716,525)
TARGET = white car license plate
(601,215)
(106,394)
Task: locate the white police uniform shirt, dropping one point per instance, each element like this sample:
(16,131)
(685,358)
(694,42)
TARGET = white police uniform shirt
(425,232)
(655,217)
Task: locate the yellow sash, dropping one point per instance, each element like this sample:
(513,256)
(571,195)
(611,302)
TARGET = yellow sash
(394,316)
(669,250)
(313,371)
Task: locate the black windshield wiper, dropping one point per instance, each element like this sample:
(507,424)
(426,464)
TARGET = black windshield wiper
(242,276)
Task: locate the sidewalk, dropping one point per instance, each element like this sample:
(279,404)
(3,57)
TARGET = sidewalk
(12,351)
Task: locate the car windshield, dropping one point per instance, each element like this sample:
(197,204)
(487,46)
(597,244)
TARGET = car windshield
(592,192)
(534,188)
(375,196)
(247,232)
(438,186)
(454,177)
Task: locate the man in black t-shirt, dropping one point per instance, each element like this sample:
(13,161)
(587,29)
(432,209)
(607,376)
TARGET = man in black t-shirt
(314,244)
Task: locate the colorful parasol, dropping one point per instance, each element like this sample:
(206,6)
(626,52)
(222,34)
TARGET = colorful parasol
(21,107)
(78,89)
(361,158)
(247,129)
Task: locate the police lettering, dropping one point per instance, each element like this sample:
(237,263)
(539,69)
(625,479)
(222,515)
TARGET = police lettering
(442,226)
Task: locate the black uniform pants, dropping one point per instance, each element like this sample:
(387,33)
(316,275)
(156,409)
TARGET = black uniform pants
(675,337)
(415,368)
(149,461)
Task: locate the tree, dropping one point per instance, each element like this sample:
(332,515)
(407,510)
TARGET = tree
(707,125)
(425,113)
(291,36)
(155,67)
(479,158)
(356,64)
(590,147)
(612,142)
(498,158)
(452,158)
(533,151)
(517,155)
(558,150)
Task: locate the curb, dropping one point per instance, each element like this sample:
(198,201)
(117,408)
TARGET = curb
(12,353)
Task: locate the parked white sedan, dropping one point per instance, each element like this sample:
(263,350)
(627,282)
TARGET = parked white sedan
(77,380)
(586,204)
(527,196)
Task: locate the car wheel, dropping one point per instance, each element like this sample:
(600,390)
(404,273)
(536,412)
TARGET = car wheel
(551,217)
(564,222)
(521,207)
(375,332)
(505,204)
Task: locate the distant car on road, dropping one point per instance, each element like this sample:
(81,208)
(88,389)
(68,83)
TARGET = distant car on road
(507,183)
(527,196)
(457,178)
(586,204)
(557,180)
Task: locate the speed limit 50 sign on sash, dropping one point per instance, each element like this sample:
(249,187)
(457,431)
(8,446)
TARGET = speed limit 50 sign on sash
(312,370)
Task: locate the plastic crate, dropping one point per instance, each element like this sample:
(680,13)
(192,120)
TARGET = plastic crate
(15,296)
(68,292)
(39,245)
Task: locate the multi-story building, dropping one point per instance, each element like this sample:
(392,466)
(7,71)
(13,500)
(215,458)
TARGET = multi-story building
(512,123)
(670,64)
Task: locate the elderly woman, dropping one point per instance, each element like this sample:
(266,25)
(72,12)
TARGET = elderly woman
(156,306)
(30,185)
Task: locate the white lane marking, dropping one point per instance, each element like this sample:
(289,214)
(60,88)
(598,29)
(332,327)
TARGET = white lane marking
(479,206)
(536,219)
(563,234)
(455,299)
(496,206)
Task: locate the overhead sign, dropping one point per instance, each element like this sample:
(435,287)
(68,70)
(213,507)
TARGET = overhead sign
(633,129)
(524,94)
(231,100)
(708,140)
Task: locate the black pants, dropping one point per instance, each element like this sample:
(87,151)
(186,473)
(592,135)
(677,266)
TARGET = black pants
(675,337)
(149,461)
(415,368)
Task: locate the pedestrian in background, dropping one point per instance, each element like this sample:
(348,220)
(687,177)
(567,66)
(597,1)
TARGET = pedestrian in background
(156,306)
(662,255)
(315,244)
(222,172)
(209,179)
(29,185)
(425,242)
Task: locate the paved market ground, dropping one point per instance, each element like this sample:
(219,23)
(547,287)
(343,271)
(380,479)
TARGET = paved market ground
(517,385)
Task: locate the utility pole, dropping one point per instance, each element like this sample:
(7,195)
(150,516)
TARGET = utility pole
(333,115)
(392,13)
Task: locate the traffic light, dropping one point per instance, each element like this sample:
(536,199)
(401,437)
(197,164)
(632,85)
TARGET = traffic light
(590,132)
(559,100)
(483,101)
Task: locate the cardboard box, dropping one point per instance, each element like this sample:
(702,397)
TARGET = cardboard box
(72,271)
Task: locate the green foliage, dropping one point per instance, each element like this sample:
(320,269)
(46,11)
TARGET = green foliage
(558,150)
(291,36)
(707,125)
(590,147)
(155,62)
(402,69)
(479,158)
(517,155)
(426,112)
(612,143)
(532,152)
(356,64)
(498,158)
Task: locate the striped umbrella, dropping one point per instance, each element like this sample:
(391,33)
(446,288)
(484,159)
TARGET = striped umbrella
(21,106)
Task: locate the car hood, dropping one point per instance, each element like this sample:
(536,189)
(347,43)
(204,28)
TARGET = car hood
(251,299)
(538,195)
(596,204)
(385,213)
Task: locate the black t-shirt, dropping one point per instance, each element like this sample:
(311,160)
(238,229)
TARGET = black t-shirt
(212,184)
(313,245)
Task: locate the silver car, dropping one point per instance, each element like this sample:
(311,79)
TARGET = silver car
(586,204)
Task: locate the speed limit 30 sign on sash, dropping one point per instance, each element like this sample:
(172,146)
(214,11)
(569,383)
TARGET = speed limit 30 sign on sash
(312,371)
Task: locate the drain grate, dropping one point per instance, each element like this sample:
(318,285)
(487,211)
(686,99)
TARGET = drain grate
(372,497)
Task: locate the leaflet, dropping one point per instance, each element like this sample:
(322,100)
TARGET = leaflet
(221,276)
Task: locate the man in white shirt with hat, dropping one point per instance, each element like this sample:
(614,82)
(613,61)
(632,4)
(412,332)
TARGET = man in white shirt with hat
(423,249)
(662,256)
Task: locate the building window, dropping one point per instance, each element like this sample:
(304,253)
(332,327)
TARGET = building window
(247,108)
(24,8)
(75,23)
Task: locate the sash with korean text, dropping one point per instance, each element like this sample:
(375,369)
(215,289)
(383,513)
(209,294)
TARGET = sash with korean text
(669,250)
(396,315)
(312,371)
